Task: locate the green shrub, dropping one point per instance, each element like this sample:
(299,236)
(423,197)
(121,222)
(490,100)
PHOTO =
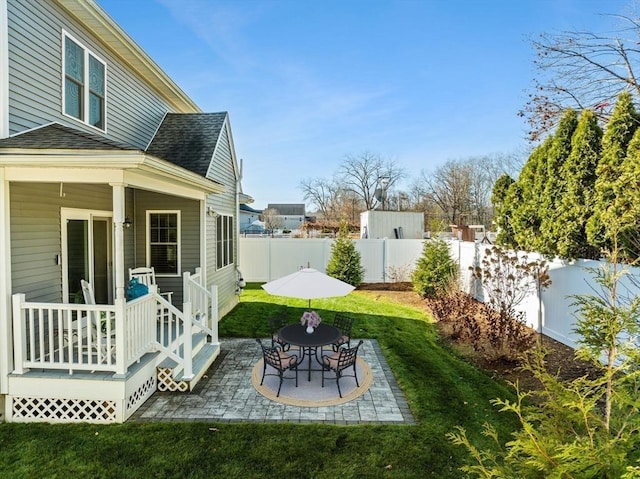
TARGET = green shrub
(436,272)
(344,263)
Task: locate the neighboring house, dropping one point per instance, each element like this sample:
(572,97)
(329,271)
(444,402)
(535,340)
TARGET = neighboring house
(291,216)
(250,220)
(105,165)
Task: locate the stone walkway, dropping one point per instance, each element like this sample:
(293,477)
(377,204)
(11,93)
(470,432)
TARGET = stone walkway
(226,394)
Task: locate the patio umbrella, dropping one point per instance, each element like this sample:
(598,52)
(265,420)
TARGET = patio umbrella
(307,283)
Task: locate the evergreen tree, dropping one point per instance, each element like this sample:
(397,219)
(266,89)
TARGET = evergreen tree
(576,205)
(345,262)
(618,134)
(585,427)
(525,218)
(555,185)
(502,198)
(626,205)
(436,272)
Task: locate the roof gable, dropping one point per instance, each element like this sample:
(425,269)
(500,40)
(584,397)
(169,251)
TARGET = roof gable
(188,139)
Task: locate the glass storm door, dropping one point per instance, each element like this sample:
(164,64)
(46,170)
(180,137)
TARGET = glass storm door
(87,248)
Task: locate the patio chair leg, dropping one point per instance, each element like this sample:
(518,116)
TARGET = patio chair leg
(264,370)
(280,386)
(355,374)
(338,376)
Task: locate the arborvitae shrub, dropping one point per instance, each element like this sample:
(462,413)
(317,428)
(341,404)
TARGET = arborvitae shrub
(436,272)
(345,263)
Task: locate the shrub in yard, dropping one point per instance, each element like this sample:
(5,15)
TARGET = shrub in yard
(507,277)
(345,262)
(456,312)
(436,272)
(588,427)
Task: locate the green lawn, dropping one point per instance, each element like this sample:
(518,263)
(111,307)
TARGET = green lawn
(442,390)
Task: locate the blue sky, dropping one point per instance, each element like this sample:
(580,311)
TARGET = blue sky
(307,82)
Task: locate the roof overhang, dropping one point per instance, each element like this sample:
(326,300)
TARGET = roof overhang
(116,40)
(245,199)
(131,168)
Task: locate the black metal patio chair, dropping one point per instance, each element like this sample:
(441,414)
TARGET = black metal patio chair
(341,361)
(345,324)
(279,360)
(276,322)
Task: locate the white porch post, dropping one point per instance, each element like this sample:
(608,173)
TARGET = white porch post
(118,223)
(188,343)
(214,314)
(6,339)
(21,341)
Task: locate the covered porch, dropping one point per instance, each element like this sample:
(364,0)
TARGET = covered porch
(87,214)
(99,363)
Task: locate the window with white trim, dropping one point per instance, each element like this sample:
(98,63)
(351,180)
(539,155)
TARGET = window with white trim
(164,241)
(84,84)
(224,241)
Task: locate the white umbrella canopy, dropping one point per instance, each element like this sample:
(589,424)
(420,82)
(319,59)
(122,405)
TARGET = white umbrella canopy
(308,283)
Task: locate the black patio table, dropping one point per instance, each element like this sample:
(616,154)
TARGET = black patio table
(297,335)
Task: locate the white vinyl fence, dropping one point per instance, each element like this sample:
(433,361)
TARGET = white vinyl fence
(265,259)
(556,318)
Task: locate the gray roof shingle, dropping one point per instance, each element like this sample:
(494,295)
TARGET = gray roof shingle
(292,209)
(57,136)
(188,139)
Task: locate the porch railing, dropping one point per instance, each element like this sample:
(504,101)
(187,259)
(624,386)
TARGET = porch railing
(204,302)
(81,337)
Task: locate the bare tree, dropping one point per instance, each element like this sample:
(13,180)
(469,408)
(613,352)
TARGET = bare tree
(272,220)
(367,171)
(461,189)
(323,194)
(449,188)
(582,70)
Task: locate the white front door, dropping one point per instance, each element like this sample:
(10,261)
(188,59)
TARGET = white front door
(86,254)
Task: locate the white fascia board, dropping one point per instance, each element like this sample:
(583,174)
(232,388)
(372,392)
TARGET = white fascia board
(88,166)
(38,174)
(138,179)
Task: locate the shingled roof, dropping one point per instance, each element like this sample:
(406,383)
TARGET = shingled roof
(57,136)
(188,139)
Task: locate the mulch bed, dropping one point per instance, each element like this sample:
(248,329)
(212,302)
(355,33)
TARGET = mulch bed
(560,359)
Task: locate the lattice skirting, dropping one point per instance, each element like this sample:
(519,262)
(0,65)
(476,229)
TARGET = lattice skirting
(63,410)
(135,400)
(167,383)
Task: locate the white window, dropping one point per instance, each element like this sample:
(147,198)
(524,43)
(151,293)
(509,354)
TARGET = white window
(84,84)
(163,242)
(224,241)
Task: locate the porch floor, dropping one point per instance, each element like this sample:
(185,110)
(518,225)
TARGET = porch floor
(226,394)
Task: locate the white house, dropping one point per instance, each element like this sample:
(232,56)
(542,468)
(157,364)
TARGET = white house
(291,216)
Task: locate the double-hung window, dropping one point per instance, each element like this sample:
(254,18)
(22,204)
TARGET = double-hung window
(85,84)
(163,245)
(224,241)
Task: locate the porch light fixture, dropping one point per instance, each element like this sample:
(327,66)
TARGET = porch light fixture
(127,222)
